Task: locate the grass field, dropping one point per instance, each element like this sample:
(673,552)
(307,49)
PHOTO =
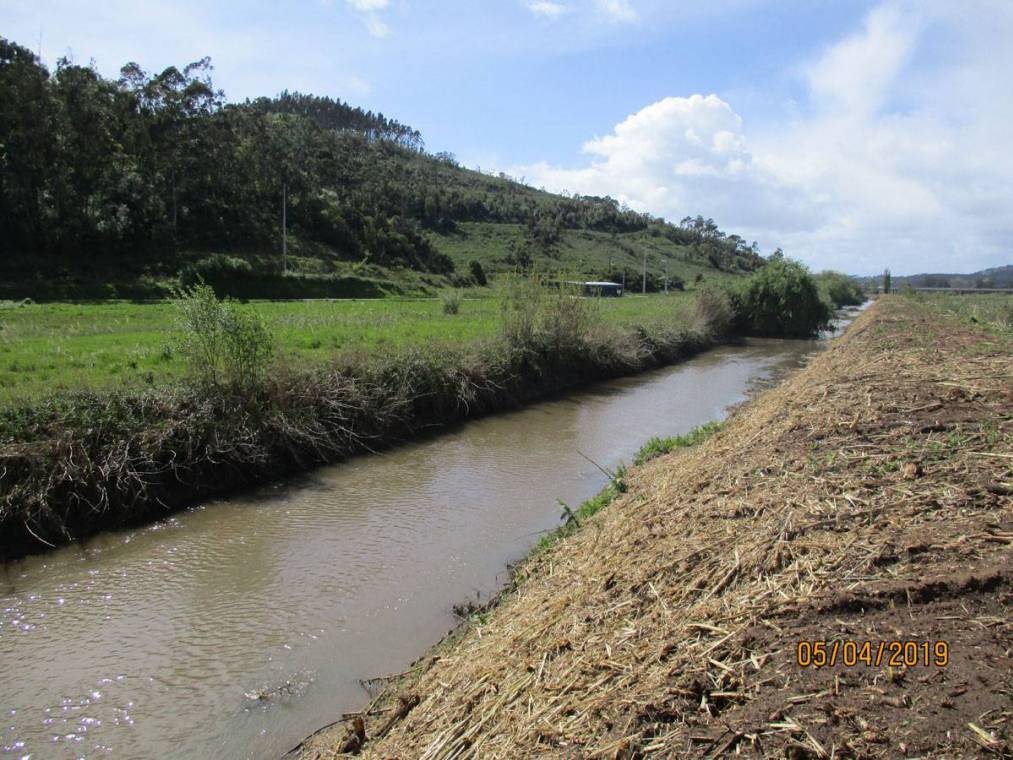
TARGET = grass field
(993,311)
(46,348)
(581,252)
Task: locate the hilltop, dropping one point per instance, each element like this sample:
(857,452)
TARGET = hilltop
(116,188)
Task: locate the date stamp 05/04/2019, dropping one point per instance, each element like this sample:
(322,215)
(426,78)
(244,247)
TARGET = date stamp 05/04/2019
(895,653)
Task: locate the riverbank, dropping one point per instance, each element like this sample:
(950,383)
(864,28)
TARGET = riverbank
(865,499)
(84,462)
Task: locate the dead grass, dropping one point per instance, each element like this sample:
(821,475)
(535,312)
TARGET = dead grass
(867,497)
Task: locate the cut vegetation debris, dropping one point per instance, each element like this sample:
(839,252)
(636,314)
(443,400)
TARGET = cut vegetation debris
(867,498)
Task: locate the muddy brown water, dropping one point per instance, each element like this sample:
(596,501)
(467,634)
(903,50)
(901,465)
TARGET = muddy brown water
(151,642)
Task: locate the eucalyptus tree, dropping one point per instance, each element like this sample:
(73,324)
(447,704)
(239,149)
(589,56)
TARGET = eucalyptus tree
(27,146)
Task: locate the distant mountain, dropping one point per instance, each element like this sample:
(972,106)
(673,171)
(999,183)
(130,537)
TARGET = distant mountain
(995,277)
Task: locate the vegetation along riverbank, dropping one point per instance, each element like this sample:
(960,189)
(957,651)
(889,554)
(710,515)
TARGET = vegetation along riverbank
(250,408)
(81,461)
(864,507)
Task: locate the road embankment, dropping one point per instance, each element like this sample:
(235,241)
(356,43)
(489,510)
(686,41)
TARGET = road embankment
(827,576)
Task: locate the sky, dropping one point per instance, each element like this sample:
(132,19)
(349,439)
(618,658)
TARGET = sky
(854,134)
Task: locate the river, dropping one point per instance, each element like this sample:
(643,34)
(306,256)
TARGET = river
(151,642)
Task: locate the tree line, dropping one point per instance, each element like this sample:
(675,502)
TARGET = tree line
(146,166)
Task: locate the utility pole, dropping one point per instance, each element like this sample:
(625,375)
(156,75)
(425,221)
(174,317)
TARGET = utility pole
(644,290)
(284,227)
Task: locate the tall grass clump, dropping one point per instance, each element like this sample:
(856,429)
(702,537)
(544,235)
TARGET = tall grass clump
(569,321)
(451,300)
(520,303)
(781,299)
(548,318)
(991,310)
(714,313)
(224,343)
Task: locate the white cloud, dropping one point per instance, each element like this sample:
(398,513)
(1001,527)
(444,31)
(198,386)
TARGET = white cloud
(669,157)
(899,158)
(369,10)
(366,6)
(618,10)
(376,27)
(547,9)
(612,10)
(855,75)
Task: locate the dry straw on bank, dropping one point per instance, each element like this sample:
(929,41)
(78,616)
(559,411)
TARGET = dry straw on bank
(867,497)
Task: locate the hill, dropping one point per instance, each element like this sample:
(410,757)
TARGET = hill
(995,277)
(116,188)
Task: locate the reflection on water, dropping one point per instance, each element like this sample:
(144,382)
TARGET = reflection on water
(149,642)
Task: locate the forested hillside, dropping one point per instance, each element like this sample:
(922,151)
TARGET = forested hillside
(116,187)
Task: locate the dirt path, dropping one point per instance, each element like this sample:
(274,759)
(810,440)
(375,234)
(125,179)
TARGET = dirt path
(866,500)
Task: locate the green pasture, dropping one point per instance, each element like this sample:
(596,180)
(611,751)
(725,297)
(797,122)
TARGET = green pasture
(48,348)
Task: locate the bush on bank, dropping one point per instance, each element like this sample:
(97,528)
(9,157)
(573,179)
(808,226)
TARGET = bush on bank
(839,290)
(782,299)
(222,341)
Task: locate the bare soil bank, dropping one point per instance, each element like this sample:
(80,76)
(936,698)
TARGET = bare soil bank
(866,499)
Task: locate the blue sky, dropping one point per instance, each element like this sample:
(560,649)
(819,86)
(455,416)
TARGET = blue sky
(856,135)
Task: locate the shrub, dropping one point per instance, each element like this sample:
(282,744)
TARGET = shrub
(223,343)
(782,299)
(451,300)
(839,289)
(478,273)
(714,312)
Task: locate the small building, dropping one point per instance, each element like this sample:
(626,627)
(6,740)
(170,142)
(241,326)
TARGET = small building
(604,289)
